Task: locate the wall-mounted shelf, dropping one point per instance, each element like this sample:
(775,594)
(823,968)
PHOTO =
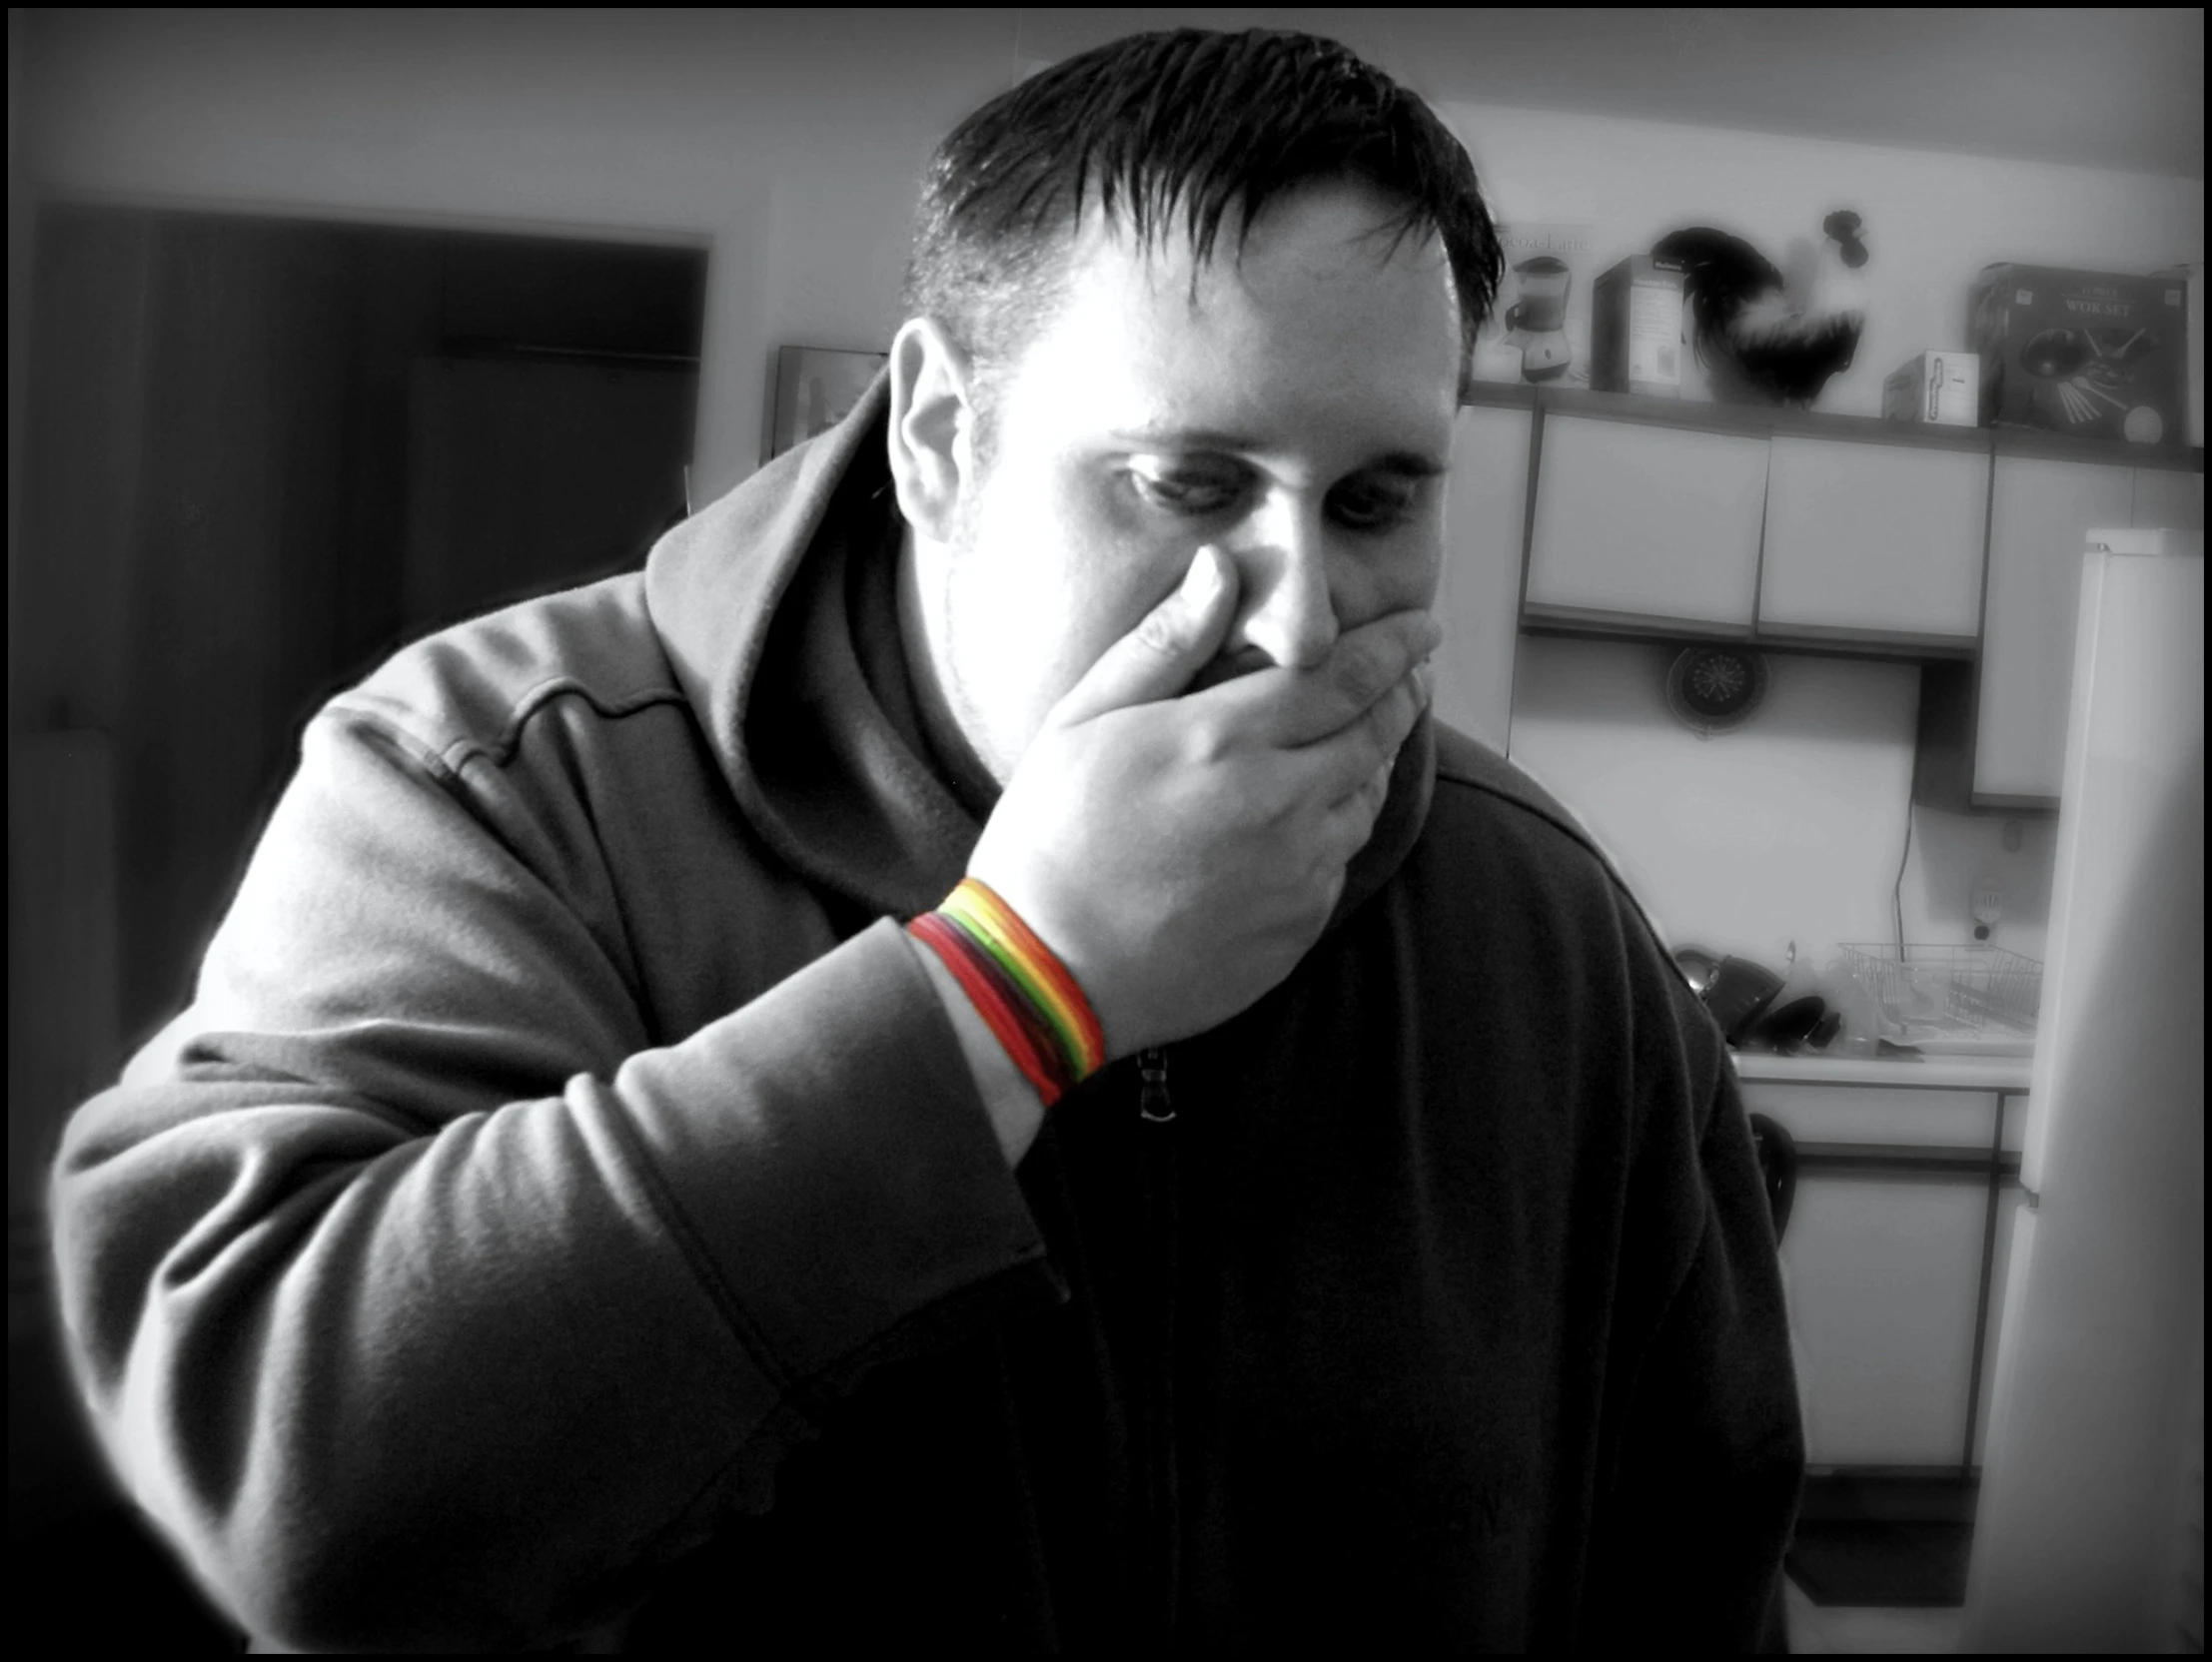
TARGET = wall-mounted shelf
(1760,422)
(1811,642)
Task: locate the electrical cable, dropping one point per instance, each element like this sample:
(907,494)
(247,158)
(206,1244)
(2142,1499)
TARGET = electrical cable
(1896,895)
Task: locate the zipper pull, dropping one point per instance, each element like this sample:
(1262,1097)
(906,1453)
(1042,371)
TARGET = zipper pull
(1154,1104)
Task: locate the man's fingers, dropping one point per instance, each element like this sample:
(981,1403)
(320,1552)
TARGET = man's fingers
(1302,707)
(1344,761)
(1159,656)
(1348,824)
(1374,790)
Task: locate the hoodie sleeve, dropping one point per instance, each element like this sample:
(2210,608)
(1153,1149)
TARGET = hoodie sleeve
(422,1306)
(1706,1482)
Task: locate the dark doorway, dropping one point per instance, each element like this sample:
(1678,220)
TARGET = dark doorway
(259,454)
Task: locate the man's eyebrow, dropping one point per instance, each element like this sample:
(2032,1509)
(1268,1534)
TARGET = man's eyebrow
(1405,463)
(1412,466)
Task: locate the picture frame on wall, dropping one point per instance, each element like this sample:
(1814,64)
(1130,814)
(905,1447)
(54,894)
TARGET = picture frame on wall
(815,389)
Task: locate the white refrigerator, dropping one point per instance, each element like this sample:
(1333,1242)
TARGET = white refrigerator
(2089,1531)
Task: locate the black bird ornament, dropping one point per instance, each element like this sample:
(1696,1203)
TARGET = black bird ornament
(1764,338)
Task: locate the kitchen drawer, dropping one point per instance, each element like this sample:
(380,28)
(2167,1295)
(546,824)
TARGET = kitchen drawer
(1880,1114)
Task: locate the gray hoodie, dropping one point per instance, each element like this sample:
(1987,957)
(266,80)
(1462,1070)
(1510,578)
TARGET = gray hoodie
(563,1215)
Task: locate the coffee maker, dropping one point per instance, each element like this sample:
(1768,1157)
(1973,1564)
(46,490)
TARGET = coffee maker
(1536,323)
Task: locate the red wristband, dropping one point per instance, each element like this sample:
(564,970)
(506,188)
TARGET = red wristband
(1020,1031)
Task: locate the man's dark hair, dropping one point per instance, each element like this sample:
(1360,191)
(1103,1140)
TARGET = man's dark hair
(1180,119)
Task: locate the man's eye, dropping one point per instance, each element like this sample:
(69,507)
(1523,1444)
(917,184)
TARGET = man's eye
(1368,510)
(1361,507)
(1192,494)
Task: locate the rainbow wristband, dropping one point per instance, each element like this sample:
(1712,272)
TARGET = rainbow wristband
(1024,993)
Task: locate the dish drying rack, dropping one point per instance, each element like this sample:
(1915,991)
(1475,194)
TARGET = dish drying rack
(1933,994)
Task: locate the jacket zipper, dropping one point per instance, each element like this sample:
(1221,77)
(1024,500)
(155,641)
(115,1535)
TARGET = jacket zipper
(1156,1157)
(1154,1104)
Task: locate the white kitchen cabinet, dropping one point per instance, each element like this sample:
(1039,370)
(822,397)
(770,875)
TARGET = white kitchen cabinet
(1478,588)
(1884,1275)
(1647,524)
(1880,539)
(2168,499)
(1882,1258)
(2039,512)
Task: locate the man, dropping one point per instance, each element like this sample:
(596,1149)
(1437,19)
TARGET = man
(575,1205)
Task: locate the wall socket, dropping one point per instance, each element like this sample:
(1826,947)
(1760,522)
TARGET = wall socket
(1988,908)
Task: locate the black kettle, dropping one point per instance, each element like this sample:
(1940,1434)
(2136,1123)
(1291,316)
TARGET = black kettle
(1738,993)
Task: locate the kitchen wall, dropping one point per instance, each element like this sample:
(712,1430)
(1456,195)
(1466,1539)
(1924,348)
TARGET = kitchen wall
(1790,828)
(1931,219)
(1793,826)
(795,148)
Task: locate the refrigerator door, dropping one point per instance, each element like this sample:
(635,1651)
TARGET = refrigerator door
(2081,1524)
(2134,735)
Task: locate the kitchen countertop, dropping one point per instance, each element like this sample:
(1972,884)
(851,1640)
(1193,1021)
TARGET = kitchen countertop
(1935,1072)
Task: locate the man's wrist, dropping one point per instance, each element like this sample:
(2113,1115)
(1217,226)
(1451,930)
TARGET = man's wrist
(1008,1098)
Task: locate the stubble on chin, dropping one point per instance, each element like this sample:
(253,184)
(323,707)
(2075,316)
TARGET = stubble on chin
(968,711)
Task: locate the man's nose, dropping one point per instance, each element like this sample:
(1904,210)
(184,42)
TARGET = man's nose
(1291,616)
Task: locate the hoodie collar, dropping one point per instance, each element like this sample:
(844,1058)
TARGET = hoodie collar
(777,606)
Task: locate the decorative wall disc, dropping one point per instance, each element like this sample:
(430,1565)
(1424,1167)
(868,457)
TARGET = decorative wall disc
(1714,688)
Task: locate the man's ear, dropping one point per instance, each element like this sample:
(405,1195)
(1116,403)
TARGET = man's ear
(932,437)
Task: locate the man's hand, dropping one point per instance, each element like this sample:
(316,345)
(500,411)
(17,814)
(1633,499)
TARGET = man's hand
(1181,853)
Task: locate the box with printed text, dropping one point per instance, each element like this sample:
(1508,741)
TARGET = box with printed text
(1938,388)
(1636,326)
(2091,354)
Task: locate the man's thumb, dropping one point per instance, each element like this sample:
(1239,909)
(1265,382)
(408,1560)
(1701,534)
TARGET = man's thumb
(1170,646)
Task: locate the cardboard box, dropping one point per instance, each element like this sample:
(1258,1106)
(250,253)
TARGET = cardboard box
(2091,354)
(1939,389)
(1538,332)
(1635,327)
(2193,353)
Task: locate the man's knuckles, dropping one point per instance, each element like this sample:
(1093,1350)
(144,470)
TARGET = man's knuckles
(1206,740)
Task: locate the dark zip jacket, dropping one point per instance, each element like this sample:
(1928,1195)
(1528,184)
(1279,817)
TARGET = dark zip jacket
(564,1216)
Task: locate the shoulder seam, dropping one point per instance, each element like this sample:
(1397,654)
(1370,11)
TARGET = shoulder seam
(458,753)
